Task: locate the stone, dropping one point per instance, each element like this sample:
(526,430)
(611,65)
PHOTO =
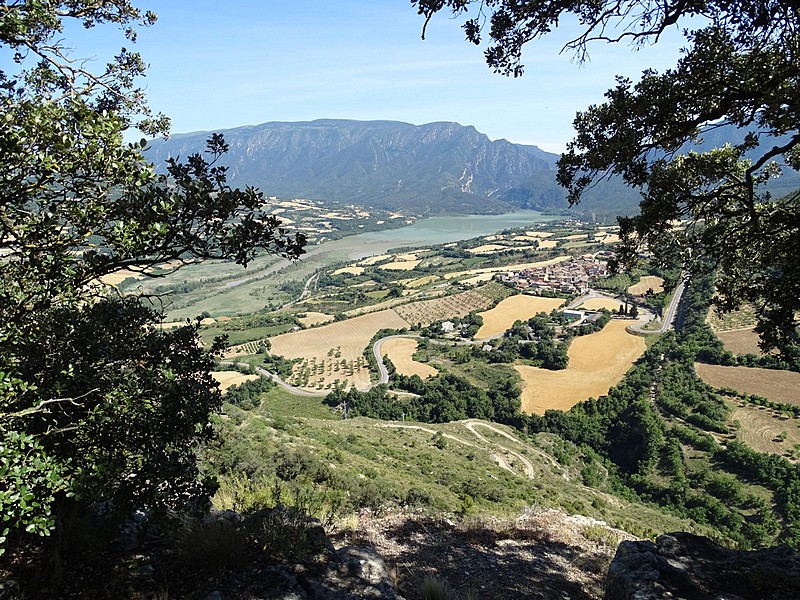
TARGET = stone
(683,566)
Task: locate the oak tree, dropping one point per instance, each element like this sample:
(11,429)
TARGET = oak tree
(96,400)
(740,68)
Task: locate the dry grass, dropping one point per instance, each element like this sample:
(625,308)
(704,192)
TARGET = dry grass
(762,429)
(539,234)
(447,307)
(399,265)
(400,352)
(226,379)
(648,282)
(418,281)
(521,306)
(487,249)
(373,259)
(577,236)
(611,238)
(741,341)
(596,363)
(598,303)
(118,277)
(743,318)
(778,386)
(350,270)
(334,351)
(547,244)
(315,318)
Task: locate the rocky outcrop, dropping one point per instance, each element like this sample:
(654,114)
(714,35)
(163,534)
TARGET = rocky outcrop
(691,567)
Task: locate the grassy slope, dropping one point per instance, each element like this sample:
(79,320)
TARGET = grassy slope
(467,467)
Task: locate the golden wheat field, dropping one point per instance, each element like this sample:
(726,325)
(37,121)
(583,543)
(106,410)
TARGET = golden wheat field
(598,303)
(539,234)
(521,306)
(334,351)
(646,283)
(399,265)
(487,249)
(350,270)
(226,379)
(373,259)
(315,318)
(762,429)
(400,352)
(597,362)
(778,386)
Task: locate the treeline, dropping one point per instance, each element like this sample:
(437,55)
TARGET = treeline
(640,428)
(438,400)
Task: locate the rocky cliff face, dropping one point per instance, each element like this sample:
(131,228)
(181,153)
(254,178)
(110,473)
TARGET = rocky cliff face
(434,168)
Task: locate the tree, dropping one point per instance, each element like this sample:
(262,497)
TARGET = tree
(739,69)
(96,401)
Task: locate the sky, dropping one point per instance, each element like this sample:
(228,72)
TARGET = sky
(216,65)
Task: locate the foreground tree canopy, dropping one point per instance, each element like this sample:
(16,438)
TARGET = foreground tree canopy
(741,68)
(97,401)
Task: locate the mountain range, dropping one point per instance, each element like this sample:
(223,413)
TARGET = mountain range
(436,168)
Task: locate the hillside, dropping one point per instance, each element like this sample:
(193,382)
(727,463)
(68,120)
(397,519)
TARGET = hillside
(427,169)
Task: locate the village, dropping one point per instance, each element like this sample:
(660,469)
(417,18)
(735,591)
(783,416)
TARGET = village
(571,276)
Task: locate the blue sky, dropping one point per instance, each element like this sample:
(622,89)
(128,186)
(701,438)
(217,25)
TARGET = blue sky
(219,65)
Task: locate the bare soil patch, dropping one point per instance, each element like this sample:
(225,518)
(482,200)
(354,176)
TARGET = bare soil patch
(400,351)
(778,386)
(597,362)
(521,306)
(742,341)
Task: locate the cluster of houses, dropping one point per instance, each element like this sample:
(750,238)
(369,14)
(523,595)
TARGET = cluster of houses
(570,276)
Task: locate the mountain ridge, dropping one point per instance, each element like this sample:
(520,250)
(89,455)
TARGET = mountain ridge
(434,168)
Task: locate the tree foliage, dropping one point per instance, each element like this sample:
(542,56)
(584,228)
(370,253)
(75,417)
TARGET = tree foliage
(98,400)
(739,69)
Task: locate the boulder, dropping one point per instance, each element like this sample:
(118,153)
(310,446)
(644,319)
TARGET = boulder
(692,567)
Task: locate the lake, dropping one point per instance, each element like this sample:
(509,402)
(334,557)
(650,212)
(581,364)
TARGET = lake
(442,230)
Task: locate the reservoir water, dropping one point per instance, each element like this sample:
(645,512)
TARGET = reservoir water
(442,230)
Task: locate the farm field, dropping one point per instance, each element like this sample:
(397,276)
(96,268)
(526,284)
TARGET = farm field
(333,352)
(513,308)
(598,303)
(447,307)
(596,363)
(762,429)
(400,351)
(740,341)
(227,379)
(778,386)
(743,318)
(315,318)
(647,282)
(506,268)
